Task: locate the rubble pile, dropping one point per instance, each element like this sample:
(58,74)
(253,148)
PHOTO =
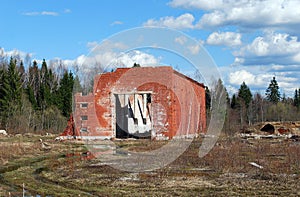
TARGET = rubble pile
(273,130)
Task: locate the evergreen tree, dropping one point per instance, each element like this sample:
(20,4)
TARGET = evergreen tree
(53,85)
(65,93)
(31,97)
(10,91)
(284,99)
(233,103)
(296,99)
(4,102)
(22,74)
(207,99)
(136,65)
(245,94)
(272,92)
(77,86)
(14,82)
(44,90)
(33,85)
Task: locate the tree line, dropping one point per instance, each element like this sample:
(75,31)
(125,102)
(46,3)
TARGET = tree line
(245,108)
(36,98)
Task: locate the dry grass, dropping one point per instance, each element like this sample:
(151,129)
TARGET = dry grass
(224,171)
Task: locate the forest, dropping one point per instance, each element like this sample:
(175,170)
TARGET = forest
(38,98)
(245,109)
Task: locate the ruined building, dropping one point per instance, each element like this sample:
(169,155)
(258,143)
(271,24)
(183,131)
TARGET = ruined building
(141,102)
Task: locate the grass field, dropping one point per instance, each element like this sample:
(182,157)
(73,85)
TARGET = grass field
(66,169)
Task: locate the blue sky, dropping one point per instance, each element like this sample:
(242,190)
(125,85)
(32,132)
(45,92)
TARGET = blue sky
(250,40)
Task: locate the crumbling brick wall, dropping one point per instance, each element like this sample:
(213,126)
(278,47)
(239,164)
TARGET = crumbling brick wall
(177,102)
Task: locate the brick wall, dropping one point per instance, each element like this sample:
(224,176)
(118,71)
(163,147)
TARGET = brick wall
(177,102)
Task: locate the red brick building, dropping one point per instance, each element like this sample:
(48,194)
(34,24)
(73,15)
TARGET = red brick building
(141,102)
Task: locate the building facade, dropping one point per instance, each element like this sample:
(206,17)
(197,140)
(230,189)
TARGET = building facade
(141,102)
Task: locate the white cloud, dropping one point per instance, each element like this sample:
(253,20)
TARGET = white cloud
(46,13)
(110,54)
(67,11)
(271,48)
(238,61)
(144,59)
(49,13)
(245,13)
(238,77)
(184,21)
(116,23)
(181,40)
(231,89)
(258,78)
(261,79)
(199,4)
(43,13)
(20,55)
(224,38)
(99,60)
(194,49)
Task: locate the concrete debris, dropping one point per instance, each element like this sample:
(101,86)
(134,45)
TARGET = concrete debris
(259,136)
(59,138)
(256,165)
(131,177)
(3,132)
(45,146)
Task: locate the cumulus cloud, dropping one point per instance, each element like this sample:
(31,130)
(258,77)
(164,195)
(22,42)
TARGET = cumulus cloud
(271,48)
(274,52)
(103,57)
(184,21)
(258,78)
(135,56)
(18,54)
(245,13)
(110,54)
(224,38)
(237,77)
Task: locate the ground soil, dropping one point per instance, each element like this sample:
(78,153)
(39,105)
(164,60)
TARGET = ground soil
(69,169)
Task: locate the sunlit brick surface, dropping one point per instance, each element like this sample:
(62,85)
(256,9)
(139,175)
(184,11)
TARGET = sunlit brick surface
(177,107)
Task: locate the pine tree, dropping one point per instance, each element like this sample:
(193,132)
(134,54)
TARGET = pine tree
(233,103)
(31,97)
(245,94)
(4,102)
(33,85)
(272,92)
(296,99)
(53,85)
(22,74)
(14,82)
(45,90)
(10,91)
(65,94)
